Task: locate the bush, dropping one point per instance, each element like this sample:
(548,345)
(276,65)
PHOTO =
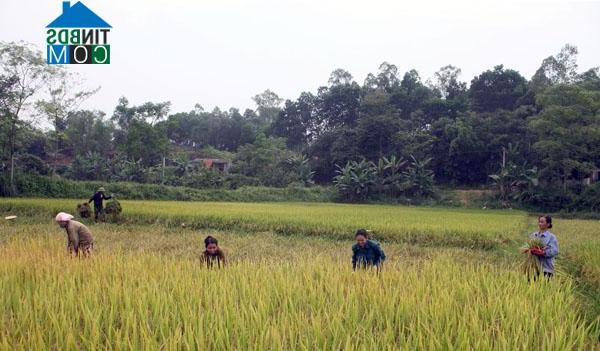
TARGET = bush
(578,198)
(389,180)
(39,186)
(588,199)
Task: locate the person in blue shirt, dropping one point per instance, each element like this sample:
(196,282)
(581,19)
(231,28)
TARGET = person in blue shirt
(366,253)
(550,250)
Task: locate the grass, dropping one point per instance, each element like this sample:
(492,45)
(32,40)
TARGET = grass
(145,300)
(426,226)
(451,281)
(50,187)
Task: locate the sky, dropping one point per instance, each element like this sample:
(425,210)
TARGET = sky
(223,52)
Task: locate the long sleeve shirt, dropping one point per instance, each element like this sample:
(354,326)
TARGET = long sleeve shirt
(550,250)
(369,255)
(98,197)
(210,260)
(78,235)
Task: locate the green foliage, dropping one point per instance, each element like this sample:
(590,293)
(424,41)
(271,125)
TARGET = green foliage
(514,182)
(145,143)
(568,133)
(91,166)
(418,179)
(456,129)
(268,160)
(355,180)
(497,89)
(388,178)
(210,152)
(39,186)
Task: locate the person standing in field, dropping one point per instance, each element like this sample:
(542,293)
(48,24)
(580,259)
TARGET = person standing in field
(212,254)
(79,237)
(545,255)
(366,253)
(98,198)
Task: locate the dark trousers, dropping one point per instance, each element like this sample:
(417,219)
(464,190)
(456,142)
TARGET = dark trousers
(98,211)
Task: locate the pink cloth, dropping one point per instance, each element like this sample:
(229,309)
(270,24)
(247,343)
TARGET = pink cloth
(63,217)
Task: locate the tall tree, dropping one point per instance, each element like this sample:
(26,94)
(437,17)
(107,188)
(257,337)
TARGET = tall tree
(340,77)
(337,106)
(497,89)
(445,81)
(386,79)
(297,122)
(568,133)
(64,95)
(23,72)
(558,69)
(268,106)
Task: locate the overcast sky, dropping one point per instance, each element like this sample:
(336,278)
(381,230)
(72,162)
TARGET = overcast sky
(223,52)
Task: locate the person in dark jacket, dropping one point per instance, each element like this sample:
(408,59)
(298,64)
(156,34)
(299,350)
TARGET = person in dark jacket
(212,254)
(98,199)
(366,253)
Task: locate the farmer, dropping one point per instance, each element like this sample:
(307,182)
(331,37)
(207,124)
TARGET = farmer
(98,199)
(79,237)
(550,250)
(212,253)
(366,253)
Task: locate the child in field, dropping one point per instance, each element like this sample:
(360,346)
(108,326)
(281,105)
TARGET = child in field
(550,250)
(79,237)
(366,253)
(213,254)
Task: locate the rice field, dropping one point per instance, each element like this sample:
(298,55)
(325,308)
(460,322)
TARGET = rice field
(432,226)
(145,287)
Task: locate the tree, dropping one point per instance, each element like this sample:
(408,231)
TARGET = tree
(389,177)
(151,112)
(300,165)
(355,180)
(148,112)
(445,81)
(559,69)
(268,160)
(139,134)
(268,106)
(297,122)
(376,135)
(568,133)
(513,182)
(419,179)
(340,77)
(145,143)
(497,89)
(64,95)
(23,73)
(88,132)
(337,106)
(387,78)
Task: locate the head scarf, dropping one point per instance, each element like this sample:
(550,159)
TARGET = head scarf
(63,217)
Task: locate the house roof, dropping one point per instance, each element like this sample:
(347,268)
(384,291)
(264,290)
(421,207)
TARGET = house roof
(213,160)
(78,16)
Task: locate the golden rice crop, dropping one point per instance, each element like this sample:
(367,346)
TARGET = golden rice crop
(145,301)
(531,264)
(580,243)
(456,227)
(145,289)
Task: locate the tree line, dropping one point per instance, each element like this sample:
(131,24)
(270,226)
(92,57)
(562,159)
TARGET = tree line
(535,140)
